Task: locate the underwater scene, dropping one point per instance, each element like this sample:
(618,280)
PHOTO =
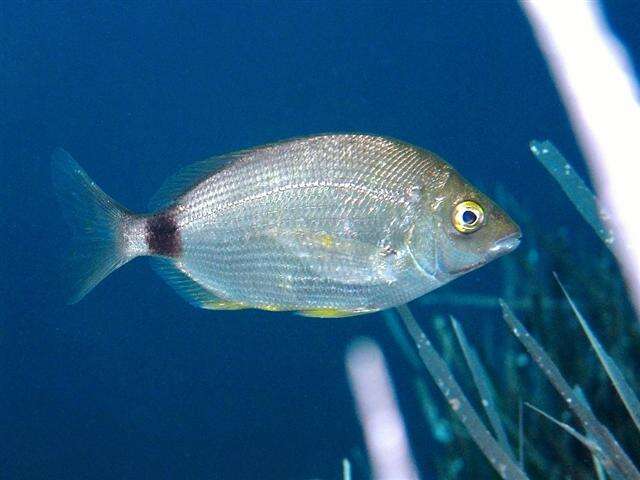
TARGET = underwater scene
(317,241)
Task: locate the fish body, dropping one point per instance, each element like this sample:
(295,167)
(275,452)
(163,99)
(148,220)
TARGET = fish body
(327,225)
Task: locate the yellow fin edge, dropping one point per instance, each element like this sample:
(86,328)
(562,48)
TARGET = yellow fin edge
(332,313)
(223,305)
(314,312)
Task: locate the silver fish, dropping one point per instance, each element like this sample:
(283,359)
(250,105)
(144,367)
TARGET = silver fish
(328,225)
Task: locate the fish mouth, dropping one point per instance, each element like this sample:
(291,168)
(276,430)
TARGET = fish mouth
(501,247)
(506,244)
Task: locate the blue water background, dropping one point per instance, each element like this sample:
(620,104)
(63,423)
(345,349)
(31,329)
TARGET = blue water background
(134,383)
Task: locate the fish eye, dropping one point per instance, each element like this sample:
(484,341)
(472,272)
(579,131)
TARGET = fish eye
(467,216)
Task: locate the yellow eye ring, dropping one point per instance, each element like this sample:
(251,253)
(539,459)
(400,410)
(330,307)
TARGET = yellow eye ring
(467,216)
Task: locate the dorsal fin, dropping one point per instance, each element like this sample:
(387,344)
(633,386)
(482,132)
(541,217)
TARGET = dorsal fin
(187,178)
(191,175)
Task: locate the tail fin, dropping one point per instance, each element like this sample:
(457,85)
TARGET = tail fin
(97,222)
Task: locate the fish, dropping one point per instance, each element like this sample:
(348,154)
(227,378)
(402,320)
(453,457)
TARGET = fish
(326,226)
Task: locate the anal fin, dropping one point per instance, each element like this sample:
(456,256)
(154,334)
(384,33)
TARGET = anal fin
(188,288)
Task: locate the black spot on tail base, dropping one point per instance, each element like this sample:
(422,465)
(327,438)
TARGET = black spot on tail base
(163,235)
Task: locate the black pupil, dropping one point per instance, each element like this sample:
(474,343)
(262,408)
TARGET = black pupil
(469,217)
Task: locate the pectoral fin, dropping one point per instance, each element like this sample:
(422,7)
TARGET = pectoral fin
(344,260)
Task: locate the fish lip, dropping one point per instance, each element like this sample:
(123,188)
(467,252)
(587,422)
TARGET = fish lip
(506,244)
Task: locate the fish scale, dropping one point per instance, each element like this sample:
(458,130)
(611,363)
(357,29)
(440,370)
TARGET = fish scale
(367,189)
